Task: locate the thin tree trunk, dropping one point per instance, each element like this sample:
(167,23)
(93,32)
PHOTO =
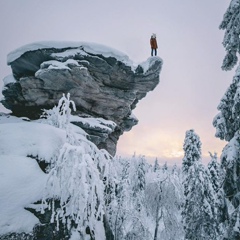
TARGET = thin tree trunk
(158,218)
(158,207)
(157,223)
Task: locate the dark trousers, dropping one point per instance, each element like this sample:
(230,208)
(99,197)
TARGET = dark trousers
(155,51)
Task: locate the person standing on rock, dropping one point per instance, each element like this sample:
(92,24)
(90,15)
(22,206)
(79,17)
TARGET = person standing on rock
(153,43)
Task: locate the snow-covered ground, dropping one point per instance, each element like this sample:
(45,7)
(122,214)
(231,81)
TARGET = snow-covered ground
(22,182)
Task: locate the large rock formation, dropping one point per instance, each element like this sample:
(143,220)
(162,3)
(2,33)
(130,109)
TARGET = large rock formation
(102,82)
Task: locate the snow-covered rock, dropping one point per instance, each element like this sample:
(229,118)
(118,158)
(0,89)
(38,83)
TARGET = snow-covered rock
(22,182)
(103,83)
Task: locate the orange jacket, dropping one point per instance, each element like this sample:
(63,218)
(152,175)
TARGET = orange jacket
(153,43)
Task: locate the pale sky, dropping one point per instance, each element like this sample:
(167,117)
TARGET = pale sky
(191,82)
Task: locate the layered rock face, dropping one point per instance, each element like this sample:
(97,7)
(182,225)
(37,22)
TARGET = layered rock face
(102,82)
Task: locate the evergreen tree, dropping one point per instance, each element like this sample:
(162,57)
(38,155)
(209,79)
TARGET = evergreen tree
(156,166)
(139,181)
(192,150)
(227,122)
(217,179)
(199,212)
(175,169)
(137,226)
(165,167)
(230,160)
(215,172)
(231,41)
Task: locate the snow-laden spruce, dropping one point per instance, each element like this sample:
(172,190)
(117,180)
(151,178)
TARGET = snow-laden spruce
(227,123)
(215,171)
(192,149)
(199,210)
(217,179)
(199,214)
(156,166)
(231,41)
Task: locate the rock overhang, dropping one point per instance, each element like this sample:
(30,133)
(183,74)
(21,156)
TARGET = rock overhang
(103,82)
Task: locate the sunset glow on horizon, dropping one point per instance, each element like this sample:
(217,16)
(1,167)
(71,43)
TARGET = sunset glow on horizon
(159,144)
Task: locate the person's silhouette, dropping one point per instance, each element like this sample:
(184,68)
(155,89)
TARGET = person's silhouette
(153,43)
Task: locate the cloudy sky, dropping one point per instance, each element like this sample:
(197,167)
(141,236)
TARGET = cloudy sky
(191,82)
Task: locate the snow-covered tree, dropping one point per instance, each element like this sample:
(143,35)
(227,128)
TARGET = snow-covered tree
(217,179)
(75,186)
(175,169)
(129,217)
(215,172)
(227,121)
(59,116)
(199,211)
(231,41)
(156,166)
(123,196)
(192,150)
(165,167)
(164,197)
(230,160)
(139,180)
(227,124)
